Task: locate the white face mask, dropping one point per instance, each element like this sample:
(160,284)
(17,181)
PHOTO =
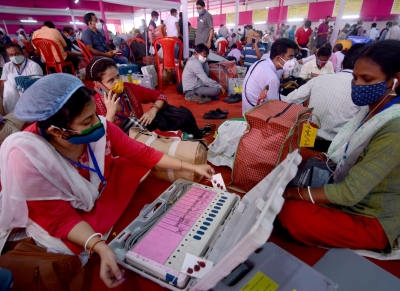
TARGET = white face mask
(17,59)
(288,66)
(99,25)
(202,59)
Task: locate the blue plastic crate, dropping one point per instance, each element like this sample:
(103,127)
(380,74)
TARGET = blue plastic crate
(124,69)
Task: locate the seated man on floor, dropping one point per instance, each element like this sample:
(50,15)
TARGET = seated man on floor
(265,73)
(9,124)
(330,96)
(197,86)
(251,53)
(320,66)
(95,42)
(18,66)
(49,31)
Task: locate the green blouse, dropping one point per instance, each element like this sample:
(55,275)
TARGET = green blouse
(372,186)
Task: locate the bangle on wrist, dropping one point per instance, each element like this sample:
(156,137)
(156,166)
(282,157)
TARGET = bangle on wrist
(309,193)
(298,191)
(156,105)
(91,249)
(92,236)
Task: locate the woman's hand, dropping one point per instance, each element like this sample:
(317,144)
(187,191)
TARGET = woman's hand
(111,100)
(148,116)
(204,170)
(111,275)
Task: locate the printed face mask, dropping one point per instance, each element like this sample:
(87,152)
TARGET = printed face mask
(367,94)
(92,134)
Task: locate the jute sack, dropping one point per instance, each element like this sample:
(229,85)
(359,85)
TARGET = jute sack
(192,152)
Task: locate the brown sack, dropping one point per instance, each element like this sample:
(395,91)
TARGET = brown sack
(192,152)
(33,268)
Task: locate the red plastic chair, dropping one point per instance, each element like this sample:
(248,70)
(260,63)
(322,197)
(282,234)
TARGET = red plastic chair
(129,42)
(46,47)
(86,53)
(139,40)
(222,46)
(168,61)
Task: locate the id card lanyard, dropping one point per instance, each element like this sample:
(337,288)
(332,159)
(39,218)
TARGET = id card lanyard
(23,68)
(96,168)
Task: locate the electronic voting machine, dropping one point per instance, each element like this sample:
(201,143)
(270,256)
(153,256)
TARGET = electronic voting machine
(193,219)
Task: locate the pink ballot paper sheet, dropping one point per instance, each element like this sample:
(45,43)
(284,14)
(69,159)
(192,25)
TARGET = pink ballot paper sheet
(161,240)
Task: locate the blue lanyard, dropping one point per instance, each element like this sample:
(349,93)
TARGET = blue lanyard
(394,101)
(346,71)
(23,68)
(123,107)
(96,166)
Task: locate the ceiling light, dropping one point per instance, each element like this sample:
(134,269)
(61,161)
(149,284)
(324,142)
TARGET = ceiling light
(67,8)
(260,22)
(267,7)
(295,19)
(77,22)
(76,1)
(28,20)
(350,16)
(230,24)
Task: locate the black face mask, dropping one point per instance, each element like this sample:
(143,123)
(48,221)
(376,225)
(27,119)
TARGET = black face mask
(327,21)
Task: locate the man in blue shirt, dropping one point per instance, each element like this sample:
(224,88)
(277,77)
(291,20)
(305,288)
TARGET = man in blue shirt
(95,42)
(251,53)
(292,33)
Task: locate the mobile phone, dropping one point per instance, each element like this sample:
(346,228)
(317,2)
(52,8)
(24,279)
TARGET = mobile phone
(253,40)
(100,88)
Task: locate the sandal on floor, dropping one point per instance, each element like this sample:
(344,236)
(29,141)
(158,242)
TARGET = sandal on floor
(212,114)
(208,129)
(222,111)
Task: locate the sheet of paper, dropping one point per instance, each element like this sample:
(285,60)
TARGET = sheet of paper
(308,135)
(218,182)
(394,255)
(195,266)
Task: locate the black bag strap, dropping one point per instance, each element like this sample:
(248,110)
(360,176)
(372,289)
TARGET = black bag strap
(258,62)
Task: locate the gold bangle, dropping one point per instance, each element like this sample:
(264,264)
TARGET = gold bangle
(91,249)
(156,105)
(298,191)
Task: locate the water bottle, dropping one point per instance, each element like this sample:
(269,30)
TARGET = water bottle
(129,76)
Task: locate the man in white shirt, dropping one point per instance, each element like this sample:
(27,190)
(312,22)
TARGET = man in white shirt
(337,50)
(264,73)
(394,32)
(320,66)
(223,31)
(173,30)
(18,66)
(373,33)
(330,96)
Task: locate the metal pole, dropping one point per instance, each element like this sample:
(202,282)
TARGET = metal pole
(193,10)
(5,26)
(208,5)
(237,18)
(220,8)
(185,29)
(280,16)
(73,18)
(339,16)
(103,16)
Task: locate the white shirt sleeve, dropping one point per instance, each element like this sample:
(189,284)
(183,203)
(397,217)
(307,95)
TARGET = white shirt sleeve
(301,94)
(305,72)
(5,73)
